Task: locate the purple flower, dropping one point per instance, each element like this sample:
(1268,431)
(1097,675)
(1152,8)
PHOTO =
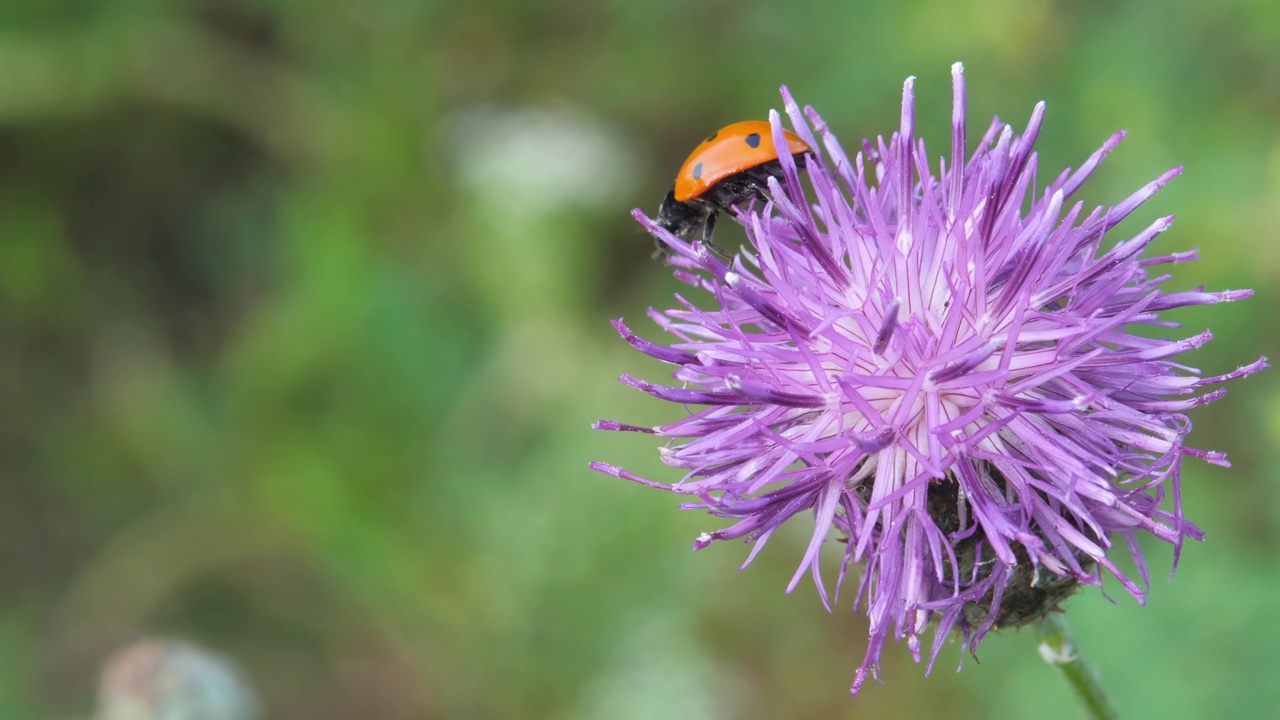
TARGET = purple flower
(944,370)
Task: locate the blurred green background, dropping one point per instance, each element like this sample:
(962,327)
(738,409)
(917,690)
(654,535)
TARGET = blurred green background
(303,322)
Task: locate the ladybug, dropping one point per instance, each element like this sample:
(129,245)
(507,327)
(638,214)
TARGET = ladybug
(731,166)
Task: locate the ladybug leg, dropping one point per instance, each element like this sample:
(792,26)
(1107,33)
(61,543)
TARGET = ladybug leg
(763,192)
(757,185)
(708,227)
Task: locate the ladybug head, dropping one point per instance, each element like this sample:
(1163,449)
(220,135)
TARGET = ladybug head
(682,219)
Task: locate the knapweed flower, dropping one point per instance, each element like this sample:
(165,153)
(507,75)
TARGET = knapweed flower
(945,370)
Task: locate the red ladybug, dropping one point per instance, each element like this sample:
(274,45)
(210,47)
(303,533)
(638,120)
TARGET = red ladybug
(731,166)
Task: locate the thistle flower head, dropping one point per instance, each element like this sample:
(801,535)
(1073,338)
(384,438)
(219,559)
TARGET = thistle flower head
(944,370)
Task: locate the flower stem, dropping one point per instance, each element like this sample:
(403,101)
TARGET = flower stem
(1058,648)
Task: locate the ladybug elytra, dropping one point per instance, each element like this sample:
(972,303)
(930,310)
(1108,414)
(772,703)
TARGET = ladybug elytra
(731,166)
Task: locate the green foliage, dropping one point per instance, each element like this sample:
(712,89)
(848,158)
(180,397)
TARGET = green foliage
(284,373)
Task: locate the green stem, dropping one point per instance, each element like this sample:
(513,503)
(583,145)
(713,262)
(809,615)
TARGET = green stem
(1058,648)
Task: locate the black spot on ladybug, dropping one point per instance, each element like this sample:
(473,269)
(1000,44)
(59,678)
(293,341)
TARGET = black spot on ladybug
(712,136)
(697,171)
(753,139)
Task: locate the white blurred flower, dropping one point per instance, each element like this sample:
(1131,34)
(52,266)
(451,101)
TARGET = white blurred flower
(158,679)
(542,159)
